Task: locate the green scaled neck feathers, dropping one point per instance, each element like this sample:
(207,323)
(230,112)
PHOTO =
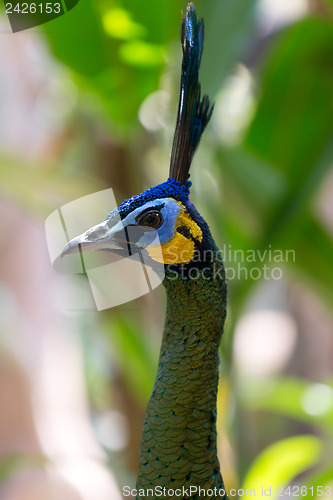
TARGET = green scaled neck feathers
(178,445)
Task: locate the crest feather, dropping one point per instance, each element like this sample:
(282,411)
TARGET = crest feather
(193,112)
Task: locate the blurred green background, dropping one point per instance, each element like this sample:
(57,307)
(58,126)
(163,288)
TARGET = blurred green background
(88,102)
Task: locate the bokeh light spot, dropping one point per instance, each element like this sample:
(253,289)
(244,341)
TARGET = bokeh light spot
(318,399)
(144,54)
(118,24)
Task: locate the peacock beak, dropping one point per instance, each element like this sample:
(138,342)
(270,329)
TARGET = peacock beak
(100,237)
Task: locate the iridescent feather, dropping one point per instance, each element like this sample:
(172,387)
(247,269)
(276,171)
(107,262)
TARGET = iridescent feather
(193,112)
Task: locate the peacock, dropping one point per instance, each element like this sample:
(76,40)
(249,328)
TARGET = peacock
(178,448)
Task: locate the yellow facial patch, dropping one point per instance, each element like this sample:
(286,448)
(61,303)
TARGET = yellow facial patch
(180,249)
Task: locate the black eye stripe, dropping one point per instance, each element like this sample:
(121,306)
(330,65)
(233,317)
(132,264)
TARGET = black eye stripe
(183,230)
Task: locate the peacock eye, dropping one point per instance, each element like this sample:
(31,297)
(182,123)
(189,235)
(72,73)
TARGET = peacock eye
(151,219)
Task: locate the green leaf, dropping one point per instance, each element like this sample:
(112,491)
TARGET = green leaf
(108,67)
(253,186)
(278,464)
(290,397)
(319,480)
(117,51)
(229,30)
(313,248)
(77,38)
(141,54)
(293,127)
(119,24)
(292,133)
(294,121)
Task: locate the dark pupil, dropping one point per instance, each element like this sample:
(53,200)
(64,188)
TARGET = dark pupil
(152,219)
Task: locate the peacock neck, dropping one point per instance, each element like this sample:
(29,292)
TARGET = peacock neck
(178,445)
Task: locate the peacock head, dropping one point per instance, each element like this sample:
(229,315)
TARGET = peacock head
(165,210)
(161,223)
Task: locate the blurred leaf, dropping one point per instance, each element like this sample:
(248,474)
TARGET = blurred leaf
(77,38)
(119,24)
(95,45)
(313,248)
(294,121)
(253,187)
(229,32)
(286,396)
(293,127)
(278,464)
(319,480)
(142,54)
(292,134)
(161,19)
